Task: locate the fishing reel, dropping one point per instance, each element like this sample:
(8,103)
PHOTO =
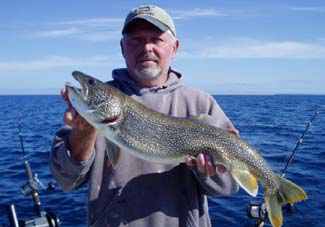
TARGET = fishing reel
(46,219)
(256,210)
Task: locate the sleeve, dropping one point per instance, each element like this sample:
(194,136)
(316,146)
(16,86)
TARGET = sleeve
(70,174)
(221,119)
(220,183)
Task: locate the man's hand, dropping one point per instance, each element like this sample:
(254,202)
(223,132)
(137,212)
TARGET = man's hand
(83,136)
(204,162)
(72,118)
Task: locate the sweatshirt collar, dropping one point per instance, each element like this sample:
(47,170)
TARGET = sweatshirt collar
(174,81)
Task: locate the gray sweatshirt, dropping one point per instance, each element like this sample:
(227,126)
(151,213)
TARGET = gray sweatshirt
(137,193)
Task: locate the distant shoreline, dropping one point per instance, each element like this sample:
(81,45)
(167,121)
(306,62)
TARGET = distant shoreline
(299,94)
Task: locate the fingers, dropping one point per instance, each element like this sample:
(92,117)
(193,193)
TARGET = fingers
(64,95)
(234,131)
(72,118)
(207,165)
(221,168)
(201,163)
(69,115)
(190,161)
(204,163)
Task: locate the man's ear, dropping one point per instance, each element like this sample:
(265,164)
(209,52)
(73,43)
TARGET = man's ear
(175,48)
(122,47)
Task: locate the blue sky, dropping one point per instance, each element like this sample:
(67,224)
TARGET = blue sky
(226,47)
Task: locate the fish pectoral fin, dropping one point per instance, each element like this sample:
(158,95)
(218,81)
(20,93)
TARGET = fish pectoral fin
(246,180)
(113,152)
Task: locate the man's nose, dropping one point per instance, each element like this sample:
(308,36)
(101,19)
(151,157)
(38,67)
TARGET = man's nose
(148,46)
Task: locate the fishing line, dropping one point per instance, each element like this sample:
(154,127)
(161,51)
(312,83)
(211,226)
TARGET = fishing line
(300,140)
(20,133)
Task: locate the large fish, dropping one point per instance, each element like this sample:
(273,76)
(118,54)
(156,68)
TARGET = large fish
(157,137)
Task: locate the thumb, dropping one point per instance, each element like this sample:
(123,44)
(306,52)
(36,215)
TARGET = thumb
(65,97)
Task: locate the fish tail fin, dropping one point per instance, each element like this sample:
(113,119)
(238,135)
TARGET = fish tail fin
(291,192)
(288,192)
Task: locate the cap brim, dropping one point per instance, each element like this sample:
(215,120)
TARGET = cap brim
(151,20)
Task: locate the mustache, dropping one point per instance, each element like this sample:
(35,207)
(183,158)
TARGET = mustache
(146,56)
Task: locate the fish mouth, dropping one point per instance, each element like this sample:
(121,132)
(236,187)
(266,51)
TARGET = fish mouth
(84,88)
(78,96)
(70,87)
(83,91)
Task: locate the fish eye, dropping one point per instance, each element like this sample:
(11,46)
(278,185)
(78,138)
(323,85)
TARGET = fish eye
(91,82)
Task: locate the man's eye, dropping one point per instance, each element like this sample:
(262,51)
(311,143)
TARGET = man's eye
(157,40)
(135,41)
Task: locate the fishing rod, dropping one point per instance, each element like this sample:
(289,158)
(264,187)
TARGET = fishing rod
(300,140)
(31,185)
(45,218)
(257,210)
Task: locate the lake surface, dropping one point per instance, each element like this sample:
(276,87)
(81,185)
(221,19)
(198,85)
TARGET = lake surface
(272,124)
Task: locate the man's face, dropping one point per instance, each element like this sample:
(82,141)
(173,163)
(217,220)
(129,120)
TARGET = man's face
(148,51)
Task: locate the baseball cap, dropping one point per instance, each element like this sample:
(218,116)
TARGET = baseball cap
(154,15)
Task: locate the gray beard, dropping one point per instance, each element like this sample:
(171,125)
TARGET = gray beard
(148,73)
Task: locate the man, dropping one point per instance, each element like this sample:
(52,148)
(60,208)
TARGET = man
(138,193)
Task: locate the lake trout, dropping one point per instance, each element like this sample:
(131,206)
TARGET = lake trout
(157,137)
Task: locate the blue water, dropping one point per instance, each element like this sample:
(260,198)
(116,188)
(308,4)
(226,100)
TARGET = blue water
(272,124)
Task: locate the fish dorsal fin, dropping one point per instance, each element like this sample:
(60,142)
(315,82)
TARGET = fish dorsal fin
(113,152)
(246,180)
(204,119)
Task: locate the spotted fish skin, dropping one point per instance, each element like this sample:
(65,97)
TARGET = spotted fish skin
(157,137)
